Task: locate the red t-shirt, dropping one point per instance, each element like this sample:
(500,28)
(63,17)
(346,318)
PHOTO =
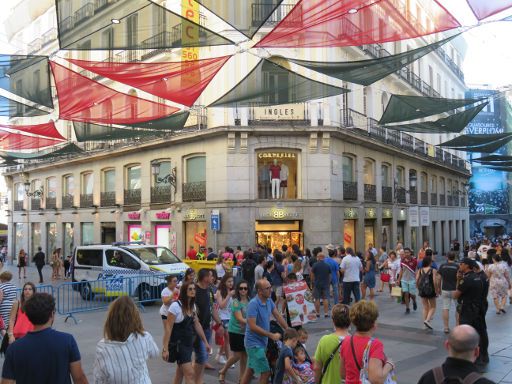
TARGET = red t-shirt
(360,342)
(275,171)
(192,254)
(412,263)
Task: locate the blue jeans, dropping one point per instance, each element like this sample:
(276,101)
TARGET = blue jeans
(334,285)
(200,348)
(351,287)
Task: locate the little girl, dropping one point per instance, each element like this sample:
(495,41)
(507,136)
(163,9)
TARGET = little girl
(303,367)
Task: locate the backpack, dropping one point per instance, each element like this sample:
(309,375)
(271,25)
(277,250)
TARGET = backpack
(426,284)
(440,378)
(248,266)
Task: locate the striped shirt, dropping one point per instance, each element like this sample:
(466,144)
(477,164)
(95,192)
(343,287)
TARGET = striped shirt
(124,362)
(10,293)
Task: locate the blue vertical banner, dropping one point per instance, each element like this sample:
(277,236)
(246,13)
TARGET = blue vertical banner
(488,194)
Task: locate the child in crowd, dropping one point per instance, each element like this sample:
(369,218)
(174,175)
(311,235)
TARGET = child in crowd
(285,374)
(302,366)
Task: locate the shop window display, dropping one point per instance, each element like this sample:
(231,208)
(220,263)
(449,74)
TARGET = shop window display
(277,175)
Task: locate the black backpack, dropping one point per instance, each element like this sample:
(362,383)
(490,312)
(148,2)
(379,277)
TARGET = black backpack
(426,284)
(440,378)
(248,266)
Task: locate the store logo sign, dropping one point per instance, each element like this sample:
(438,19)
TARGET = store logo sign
(277,213)
(134,215)
(163,215)
(195,214)
(276,155)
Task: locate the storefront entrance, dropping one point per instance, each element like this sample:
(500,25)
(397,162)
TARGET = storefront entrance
(349,234)
(274,234)
(195,234)
(369,233)
(108,233)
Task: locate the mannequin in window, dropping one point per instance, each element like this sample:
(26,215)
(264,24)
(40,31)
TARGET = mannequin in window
(275,177)
(283,176)
(263,181)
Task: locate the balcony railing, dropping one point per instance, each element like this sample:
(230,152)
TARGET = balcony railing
(424,198)
(35,203)
(67,201)
(370,192)
(84,13)
(161,194)
(194,191)
(49,36)
(413,195)
(35,45)
(433,199)
(86,200)
(132,196)
(400,195)
(387,194)
(51,202)
(108,199)
(101,4)
(259,14)
(18,205)
(350,190)
(67,24)
(442,200)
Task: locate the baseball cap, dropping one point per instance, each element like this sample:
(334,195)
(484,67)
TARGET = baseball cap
(469,262)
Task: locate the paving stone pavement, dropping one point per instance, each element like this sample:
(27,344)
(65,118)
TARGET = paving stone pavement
(413,348)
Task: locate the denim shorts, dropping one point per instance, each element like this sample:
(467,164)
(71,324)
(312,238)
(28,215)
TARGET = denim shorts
(409,286)
(200,348)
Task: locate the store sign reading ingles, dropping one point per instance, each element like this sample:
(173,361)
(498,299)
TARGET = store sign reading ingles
(276,213)
(283,112)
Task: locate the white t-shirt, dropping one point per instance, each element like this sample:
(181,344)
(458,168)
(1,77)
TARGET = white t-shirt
(352,266)
(258,272)
(220,271)
(176,310)
(166,292)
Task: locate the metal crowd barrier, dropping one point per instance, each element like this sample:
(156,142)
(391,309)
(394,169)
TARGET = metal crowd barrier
(86,296)
(43,288)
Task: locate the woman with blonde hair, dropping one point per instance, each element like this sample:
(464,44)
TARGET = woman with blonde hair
(55,262)
(122,353)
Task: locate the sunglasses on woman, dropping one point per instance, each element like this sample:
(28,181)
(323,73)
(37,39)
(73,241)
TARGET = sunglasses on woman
(243,289)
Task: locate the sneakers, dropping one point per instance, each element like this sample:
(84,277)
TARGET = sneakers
(222,359)
(414,305)
(407,311)
(428,325)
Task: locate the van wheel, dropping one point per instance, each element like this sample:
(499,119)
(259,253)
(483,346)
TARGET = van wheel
(86,291)
(145,294)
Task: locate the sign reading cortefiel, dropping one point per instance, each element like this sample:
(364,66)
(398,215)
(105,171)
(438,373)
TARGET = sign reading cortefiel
(282,112)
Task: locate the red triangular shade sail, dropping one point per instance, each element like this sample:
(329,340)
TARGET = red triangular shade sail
(486,8)
(16,141)
(85,100)
(335,23)
(46,130)
(181,82)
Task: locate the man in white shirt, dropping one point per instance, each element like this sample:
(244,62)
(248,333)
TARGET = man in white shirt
(351,267)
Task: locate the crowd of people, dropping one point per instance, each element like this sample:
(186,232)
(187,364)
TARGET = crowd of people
(244,313)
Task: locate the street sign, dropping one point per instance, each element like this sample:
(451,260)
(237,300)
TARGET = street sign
(215,220)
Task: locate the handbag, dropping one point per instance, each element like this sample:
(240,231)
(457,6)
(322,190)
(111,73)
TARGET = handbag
(363,372)
(396,292)
(385,277)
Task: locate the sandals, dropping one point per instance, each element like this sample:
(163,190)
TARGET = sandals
(222,378)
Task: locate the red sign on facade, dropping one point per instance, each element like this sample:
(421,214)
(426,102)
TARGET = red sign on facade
(163,215)
(134,216)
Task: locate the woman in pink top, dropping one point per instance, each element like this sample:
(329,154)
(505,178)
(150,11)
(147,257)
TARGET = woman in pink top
(364,316)
(19,324)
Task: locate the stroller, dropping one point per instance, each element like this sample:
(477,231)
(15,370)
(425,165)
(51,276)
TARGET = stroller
(273,348)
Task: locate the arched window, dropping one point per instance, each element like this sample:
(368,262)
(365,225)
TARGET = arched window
(424,182)
(195,169)
(108,181)
(400,176)
(133,180)
(51,187)
(385,174)
(87,183)
(442,186)
(433,184)
(68,188)
(369,171)
(348,166)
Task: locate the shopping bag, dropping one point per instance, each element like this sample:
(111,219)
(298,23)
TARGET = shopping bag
(396,292)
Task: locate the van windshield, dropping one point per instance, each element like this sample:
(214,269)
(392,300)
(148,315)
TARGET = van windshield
(155,255)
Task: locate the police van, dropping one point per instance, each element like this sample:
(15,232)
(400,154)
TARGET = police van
(122,269)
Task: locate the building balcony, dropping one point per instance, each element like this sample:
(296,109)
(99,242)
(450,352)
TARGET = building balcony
(400,195)
(161,194)
(424,198)
(49,36)
(433,199)
(35,45)
(370,192)
(35,203)
(67,201)
(413,195)
(259,15)
(67,24)
(194,191)
(387,194)
(18,205)
(132,196)
(108,199)
(99,5)
(84,13)
(442,200)
(86,200)
(350,190)
(51,202)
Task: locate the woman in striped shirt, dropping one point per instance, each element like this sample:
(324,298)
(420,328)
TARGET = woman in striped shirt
(8,295)
(121,355)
